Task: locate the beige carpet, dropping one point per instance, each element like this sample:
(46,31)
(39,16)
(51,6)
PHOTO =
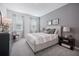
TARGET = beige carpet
(21,48)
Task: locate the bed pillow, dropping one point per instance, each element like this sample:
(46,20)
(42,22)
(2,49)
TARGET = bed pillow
(56,31)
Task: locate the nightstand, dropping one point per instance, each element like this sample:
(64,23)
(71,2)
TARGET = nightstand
(70,41)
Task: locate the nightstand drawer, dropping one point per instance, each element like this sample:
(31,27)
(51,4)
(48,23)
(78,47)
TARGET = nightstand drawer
(68,41)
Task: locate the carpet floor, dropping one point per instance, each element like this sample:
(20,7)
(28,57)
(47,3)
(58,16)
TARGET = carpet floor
(21,48)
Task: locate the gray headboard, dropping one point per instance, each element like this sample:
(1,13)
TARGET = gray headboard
(58,28)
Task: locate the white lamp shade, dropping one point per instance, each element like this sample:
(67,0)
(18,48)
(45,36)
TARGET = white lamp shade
(66,29)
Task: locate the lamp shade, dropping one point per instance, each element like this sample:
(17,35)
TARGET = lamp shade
(66,29)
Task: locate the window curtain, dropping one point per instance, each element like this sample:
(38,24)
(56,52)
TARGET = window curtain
(35,25)
(17,22)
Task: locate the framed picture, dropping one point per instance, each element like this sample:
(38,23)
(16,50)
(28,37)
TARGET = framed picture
(55,21)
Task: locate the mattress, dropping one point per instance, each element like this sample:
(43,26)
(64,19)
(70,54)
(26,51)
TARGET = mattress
(39,41)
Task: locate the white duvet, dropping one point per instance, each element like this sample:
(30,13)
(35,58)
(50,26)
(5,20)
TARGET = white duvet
(41,38)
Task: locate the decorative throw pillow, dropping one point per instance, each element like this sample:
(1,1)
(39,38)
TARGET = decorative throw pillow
(56,31)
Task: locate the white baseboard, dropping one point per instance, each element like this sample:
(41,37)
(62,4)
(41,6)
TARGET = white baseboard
(76,47)
(69,46)
(65,45)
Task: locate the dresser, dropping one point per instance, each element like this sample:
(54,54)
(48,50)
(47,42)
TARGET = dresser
(4,44)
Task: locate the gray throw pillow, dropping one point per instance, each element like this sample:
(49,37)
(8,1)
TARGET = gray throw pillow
(51,31)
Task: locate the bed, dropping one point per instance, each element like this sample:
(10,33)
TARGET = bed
(41,40)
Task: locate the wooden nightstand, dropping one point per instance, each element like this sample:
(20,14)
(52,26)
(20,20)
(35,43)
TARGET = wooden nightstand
(70,41)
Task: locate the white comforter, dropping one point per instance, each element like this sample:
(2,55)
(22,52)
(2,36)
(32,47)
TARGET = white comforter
(41,38)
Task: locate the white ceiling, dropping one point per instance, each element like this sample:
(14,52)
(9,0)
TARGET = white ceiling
(35,9)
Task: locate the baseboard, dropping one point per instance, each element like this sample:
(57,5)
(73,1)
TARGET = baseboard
(67,46)
(76,47)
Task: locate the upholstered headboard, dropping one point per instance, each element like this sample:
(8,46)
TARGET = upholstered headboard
(58,28)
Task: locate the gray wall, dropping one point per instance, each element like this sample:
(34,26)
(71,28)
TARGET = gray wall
(3,10)
(68,16)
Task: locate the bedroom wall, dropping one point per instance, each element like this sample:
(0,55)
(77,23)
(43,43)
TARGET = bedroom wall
(3,10)
(19,16)
(68,16)
(26,20)
(27,23)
